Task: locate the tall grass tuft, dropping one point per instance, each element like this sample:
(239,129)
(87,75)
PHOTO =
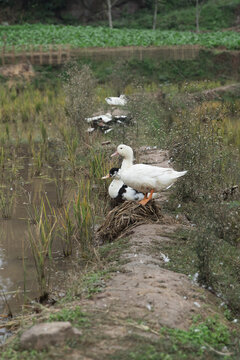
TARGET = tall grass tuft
(9,181)
(38,158)
(84,217)
(60,183)
(71,141)
(79,88)
(41,236)
(66,231)
(100,163)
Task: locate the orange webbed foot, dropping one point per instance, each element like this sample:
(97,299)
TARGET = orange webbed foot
(146,199)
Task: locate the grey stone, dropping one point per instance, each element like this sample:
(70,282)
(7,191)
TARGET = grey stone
(43,335)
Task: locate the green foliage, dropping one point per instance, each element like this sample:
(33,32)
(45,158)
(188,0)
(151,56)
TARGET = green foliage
(94,282)
(205,193)
(80,36)
(76,316)
(205,339)
(209,332)
(17,354)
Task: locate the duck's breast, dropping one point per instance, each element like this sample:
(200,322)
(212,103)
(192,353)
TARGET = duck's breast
(114,187)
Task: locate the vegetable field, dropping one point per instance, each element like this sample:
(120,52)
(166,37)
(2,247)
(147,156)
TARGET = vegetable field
(86,36)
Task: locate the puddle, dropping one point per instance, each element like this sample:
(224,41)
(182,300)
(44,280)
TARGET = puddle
(17,286)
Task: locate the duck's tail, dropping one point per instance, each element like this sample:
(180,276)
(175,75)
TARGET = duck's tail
(181,173)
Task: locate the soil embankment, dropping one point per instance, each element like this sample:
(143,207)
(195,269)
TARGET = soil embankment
(123,315)
(142,296)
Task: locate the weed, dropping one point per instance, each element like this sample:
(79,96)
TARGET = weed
(16,354)
(67,230)
(209,332)
(38,158)
(60,182)
(94,282)
(204,339)
(9,181)
(80,100)
(72,142)
(84,216)
(76,316)
(40,236)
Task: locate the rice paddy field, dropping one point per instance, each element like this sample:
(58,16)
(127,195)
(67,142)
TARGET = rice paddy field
(52,197)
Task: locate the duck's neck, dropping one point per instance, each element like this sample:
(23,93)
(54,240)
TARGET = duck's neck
(127,162)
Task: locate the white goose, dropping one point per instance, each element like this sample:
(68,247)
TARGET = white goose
(146,178)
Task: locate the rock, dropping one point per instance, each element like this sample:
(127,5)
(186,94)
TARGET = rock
(43,335)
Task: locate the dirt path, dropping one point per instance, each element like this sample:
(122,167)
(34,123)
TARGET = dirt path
(142,296)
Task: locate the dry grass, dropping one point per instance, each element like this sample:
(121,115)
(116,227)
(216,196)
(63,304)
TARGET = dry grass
(126,216)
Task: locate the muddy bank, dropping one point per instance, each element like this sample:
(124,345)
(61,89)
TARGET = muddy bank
(138,299)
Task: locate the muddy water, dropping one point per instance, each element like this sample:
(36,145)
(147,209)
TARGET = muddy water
(15,253)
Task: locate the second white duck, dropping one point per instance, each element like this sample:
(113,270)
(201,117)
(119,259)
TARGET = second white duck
(118,191)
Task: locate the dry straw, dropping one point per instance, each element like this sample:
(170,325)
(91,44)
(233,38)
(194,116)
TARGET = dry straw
(126,216)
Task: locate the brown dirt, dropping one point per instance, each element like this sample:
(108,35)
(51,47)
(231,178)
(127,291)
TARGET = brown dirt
(143,295)
(217,93)
(23,70)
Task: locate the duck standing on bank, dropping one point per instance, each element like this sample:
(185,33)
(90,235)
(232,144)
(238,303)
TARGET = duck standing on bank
(117,190)
(146,178)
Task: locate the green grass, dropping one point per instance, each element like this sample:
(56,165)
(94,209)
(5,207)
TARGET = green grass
(204,340)
(76,316)
(17,354)
(87,36)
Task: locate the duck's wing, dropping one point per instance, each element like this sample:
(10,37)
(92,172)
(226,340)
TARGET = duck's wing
(147,170)
(155,171)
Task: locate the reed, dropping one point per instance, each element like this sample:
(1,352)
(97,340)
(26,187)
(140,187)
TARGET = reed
(41,236)
(66,231)
(84,216)
(60,183)
(100,163)
(79,88)
(38,156)
(7,201)
(71,142)
(9,180)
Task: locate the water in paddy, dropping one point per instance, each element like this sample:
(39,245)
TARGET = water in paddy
(17,285)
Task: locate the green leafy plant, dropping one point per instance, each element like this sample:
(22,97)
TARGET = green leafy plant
(76,316)
(87,36)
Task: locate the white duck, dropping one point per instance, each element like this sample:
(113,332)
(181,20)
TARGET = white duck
(121,100)
(146,178)
(119,191)
(127,153)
